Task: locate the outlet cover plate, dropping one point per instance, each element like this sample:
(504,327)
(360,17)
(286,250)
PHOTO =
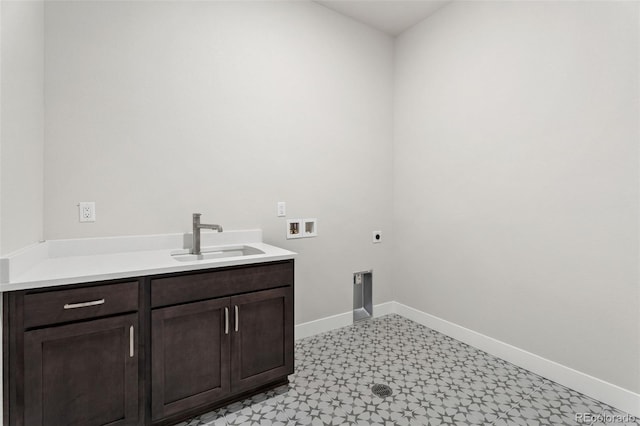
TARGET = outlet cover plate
(281,209)
(87,211)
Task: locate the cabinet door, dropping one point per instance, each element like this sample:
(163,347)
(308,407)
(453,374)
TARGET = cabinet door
(262,337)
(189,356)
(82,374)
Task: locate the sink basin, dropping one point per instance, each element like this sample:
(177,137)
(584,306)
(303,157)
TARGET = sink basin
(216,253)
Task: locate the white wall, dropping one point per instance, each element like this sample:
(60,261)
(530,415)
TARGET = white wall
(515,156)
(22,123)
(516,177)
(21,127)
(156,110)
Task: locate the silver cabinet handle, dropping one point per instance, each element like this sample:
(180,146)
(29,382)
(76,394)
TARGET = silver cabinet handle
(83,304)
(226,320)
(236,318)
(131,342)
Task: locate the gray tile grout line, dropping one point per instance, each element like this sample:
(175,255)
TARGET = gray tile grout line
(377,350)
(287,416)
(514,405)
(360,352)
(501,415)
(517,404)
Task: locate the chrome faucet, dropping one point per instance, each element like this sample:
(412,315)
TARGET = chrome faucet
(197,226)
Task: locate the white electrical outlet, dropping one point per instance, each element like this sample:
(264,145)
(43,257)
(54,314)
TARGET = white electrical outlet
(87,211)
(282,209)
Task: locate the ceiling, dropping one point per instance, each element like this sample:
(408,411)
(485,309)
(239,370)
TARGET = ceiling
(390,16)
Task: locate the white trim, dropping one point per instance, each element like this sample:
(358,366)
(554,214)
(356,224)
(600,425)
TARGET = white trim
(311,328)
(606,392)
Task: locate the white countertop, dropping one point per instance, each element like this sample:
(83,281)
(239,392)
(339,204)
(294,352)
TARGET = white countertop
(60,262)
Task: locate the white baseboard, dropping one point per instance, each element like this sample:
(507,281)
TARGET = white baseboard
(606,392)
(311,328)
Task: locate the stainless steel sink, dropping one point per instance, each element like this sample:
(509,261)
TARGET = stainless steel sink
(216,253)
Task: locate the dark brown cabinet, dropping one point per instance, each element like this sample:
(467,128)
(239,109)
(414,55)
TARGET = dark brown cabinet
(71,355)
(190,356)
(146,350)
(238,339)
(205,351)
(82,374)
(262,338)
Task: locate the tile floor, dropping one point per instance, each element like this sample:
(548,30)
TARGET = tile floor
(435,379)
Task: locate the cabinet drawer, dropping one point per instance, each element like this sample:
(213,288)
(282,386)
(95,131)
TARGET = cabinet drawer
(220,283)
(79,303)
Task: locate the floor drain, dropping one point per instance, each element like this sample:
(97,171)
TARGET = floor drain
(381,390)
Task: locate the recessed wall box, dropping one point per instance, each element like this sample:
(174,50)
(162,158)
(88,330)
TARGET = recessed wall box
(310,227)
(362,295)
(294,228)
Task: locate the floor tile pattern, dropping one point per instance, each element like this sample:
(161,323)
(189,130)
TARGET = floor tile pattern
(436,380)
